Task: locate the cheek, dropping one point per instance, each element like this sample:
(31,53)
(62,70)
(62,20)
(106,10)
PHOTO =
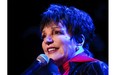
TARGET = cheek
(68,46)
(65,44)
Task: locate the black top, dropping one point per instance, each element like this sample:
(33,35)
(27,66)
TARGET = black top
(88,68)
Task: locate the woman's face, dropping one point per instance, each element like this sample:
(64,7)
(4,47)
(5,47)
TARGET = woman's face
(57,43)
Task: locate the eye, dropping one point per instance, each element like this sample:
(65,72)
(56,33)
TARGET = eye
(58,32)
(43,36)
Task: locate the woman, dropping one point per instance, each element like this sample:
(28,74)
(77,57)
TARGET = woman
(67,33)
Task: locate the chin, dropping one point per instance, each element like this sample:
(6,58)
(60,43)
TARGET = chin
(54,58)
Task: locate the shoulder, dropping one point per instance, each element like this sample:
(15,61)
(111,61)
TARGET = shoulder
(91,68)
(96,63)
(96,68)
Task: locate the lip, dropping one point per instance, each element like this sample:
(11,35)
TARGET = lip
(54,49)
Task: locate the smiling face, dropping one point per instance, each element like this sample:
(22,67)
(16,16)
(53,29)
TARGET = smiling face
(57,43)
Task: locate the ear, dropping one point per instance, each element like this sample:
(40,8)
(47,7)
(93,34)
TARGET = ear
(83,40)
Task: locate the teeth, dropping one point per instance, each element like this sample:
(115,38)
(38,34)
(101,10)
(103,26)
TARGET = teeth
(51,49)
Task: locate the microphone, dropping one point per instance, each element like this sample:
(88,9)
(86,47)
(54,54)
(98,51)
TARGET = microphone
(41,61)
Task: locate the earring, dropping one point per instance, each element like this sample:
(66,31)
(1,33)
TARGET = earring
(77,48)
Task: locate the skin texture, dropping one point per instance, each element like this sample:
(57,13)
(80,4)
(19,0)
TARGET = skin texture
(55,36)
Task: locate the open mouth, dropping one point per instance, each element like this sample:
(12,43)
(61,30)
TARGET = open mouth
(52,49)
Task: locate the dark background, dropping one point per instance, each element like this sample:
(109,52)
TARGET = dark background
(24,43)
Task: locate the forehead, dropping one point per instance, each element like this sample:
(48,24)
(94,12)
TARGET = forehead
(54,25)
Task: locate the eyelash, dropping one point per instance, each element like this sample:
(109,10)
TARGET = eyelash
(43,36)
(57,32)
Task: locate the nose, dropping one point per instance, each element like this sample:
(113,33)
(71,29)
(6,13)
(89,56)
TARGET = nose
(48,40)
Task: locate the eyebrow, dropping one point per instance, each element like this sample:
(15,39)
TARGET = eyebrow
(55,27)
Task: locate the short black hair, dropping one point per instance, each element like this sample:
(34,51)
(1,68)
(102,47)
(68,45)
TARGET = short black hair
(76,21)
